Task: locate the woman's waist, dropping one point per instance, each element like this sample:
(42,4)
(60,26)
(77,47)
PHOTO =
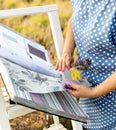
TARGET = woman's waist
(95,76)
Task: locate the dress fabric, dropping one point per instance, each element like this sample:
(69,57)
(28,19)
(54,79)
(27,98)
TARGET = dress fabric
(94,28)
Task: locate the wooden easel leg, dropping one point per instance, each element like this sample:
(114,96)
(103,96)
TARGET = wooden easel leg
(4,121)
(76,125)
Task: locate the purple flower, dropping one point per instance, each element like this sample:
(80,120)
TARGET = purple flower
(82,64)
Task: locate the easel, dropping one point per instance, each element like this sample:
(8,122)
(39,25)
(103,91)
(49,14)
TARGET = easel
(52,11)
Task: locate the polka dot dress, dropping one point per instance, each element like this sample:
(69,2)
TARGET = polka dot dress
(94,28)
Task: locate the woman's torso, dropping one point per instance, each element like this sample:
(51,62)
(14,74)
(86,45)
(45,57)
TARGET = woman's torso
(94,27)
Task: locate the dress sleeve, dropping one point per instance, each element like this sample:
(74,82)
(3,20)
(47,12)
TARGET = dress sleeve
(72,2)
(76,3)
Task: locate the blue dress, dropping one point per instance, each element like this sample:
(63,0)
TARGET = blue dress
(94,28)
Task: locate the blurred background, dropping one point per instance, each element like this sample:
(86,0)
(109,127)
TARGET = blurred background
(37,28)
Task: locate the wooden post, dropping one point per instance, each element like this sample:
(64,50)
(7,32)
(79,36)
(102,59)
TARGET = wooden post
(59,44)
(4,121)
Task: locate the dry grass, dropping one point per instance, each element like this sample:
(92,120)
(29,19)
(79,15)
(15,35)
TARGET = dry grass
(32,121)
(36,121)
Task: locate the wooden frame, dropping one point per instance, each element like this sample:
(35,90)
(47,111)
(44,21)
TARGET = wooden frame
(52,11)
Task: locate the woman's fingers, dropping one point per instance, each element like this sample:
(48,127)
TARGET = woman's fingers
(68,62)
(80,91)
(72,89)
(59,65)
(63,63)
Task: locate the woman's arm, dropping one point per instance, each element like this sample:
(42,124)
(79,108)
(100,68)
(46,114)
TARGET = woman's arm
(65,61)
(106,86)
(69,40)
(80,91)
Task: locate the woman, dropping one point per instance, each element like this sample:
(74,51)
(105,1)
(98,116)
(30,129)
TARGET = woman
(92,29)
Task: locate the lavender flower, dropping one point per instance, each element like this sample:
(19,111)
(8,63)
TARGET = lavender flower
(82,64)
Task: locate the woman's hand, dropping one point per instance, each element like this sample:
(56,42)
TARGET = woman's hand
(81,91)
(107,86)
(64,62)
(67,55)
